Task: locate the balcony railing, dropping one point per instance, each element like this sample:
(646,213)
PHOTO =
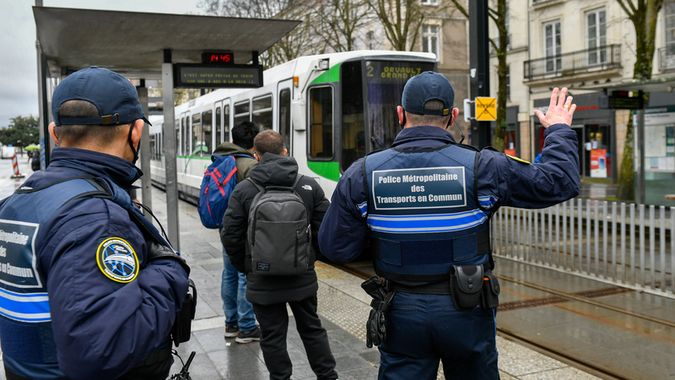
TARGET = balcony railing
(666,59)
(574,63)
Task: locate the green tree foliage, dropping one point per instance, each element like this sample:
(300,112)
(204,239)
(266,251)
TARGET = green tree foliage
(643,14)
(22,131)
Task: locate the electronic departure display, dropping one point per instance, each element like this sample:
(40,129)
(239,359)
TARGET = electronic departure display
(217,76)
(386,71)
(218,57)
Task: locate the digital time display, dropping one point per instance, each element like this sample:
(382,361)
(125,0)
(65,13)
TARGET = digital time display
(218,57)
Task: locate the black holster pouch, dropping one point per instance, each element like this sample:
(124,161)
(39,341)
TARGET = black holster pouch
(490,299)
(182,327)
(466,283)
(376,326)
(471,286)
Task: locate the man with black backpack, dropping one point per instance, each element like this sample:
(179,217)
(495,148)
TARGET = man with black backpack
(269,231)
(239,315)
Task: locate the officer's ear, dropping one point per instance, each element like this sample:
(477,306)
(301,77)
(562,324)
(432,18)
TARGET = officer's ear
(453,116)
(400,112)
(137,132)
(52,133)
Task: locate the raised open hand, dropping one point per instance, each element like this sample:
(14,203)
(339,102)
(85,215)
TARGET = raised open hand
(560,110)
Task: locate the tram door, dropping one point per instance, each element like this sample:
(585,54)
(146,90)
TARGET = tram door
(284,92)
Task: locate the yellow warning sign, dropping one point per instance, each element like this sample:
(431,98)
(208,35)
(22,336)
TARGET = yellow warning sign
(486,109)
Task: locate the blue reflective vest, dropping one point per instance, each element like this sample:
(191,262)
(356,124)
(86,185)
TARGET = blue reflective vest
(25,322)
(423,212)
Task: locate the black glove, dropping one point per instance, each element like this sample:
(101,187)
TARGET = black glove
(158,251)
(376,328)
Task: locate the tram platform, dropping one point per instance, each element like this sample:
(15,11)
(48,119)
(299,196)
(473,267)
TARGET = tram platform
(343,307)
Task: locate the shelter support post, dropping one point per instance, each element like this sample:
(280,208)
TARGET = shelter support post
(640,193)
(146,180)
(479,59)
(43,106)
(169,140)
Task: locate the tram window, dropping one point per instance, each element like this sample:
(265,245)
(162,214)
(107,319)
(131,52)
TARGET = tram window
(242,112)
(262,112)
(196,133)
(207,127)
(353,130)
(226,123)
(177,137)
(184,137)
(321,123)
(285,116)
(219,124)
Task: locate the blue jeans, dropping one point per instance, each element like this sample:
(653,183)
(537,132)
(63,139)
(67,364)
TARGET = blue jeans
(423,329)
(238,311)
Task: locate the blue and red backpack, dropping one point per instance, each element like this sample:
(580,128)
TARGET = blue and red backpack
(219,181)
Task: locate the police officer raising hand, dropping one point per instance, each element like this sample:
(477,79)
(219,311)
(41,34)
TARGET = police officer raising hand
(422,209)
(560,110)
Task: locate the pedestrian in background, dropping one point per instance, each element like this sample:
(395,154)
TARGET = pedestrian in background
(423,208)
(239,316)
(270,293)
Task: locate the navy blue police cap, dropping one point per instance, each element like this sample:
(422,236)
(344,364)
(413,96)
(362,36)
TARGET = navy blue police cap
(112,94)
(425,87)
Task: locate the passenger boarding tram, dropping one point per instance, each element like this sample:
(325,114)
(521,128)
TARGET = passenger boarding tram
(331,110)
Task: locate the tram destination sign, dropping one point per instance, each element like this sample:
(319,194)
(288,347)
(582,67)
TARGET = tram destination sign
(217,76)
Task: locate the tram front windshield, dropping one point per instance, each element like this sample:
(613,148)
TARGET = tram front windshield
(380,84)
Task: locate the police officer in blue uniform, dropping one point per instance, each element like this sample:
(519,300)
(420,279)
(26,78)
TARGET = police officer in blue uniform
(423,207)
(88,290)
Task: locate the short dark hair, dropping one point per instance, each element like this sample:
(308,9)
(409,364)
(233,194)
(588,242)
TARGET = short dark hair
(74,134)
(269,141)
(244,133)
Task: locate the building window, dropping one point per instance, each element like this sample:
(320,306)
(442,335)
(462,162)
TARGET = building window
(431,39)
(508,82)
(596,36)
(670,28)
(429,2)
(552,46)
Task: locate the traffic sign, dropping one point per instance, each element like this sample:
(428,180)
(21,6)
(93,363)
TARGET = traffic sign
(486,109)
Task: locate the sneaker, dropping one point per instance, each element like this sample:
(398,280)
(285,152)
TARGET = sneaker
(248,336)
(231,331)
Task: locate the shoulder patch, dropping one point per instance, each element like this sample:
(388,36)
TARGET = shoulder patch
(117,260)
(518,159)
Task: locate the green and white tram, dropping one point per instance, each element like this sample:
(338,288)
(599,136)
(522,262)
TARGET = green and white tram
(331,109)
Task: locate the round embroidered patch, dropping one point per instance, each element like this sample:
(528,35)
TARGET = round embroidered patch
(117,260)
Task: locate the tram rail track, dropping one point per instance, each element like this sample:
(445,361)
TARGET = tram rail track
(555,297)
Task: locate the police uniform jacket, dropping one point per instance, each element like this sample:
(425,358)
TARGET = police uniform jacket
(500,180)
(102,328)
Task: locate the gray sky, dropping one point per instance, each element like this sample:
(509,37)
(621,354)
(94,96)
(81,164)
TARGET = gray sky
(18,64)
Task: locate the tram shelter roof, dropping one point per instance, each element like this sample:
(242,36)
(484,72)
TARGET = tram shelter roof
(133,42)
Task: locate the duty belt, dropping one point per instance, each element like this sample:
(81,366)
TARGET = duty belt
(440,287)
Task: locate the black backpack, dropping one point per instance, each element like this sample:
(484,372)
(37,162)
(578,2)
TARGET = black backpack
(279,239)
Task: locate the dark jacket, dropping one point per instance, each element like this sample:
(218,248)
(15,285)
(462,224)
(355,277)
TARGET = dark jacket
(102,328)
(501,181)
(244,164)
(273,170)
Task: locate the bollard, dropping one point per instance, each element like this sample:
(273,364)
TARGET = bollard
(15,167)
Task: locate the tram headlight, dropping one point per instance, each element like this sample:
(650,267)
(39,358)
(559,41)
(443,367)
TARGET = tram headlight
(324,64)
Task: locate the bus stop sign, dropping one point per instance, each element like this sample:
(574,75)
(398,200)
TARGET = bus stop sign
(486,109)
